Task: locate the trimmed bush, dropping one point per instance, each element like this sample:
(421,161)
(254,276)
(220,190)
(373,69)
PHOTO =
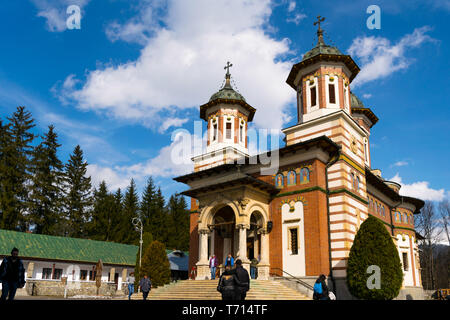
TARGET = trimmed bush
(156,264)
(373,245)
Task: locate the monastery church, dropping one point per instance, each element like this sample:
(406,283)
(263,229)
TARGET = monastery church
(301,221)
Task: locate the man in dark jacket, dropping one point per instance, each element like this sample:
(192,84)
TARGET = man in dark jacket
(146,285)
(12,275)
(228,284)
(244,280)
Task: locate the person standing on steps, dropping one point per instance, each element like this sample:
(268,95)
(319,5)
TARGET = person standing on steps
(12,275)
(146,285)
(321,289)
(229,261)
(228,284)
(213,266)
(130,281)
(244,279)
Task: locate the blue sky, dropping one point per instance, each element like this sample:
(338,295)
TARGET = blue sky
(136,71)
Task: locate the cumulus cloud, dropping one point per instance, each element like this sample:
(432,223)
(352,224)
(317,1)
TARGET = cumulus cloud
(367,95)
(400,164)
(55,12)
(181,65)
(380,58)
(419,190)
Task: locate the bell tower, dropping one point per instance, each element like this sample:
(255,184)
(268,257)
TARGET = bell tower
(227,115)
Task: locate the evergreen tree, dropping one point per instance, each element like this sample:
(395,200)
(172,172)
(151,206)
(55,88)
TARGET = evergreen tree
(160,220)
(127,232)
(105,216)
(46,193)
(373,246)
(77,200)
(156,264)
(15,169)
(117,216)
(178,223)
(147,239)
(147,206)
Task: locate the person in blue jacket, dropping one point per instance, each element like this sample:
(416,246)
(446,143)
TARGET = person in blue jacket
(229,261)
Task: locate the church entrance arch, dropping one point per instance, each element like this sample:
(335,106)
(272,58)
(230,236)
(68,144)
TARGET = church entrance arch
(222,238)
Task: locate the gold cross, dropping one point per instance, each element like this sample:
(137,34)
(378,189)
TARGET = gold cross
(228,67)
(319,20)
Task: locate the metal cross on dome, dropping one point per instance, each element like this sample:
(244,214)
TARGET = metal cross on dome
(228,67)
(319,20)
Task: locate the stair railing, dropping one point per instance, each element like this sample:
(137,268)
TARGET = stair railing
(291,277)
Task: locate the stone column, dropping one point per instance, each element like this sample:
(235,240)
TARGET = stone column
(264,265)
(124,278)
(112,273)
(203,263)
(242,253)
(30,270)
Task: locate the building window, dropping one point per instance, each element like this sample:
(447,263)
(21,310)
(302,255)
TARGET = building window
(46,273)
(241,129)
(83,274)
(331,93)
(214,132)
(57,275)
(345,97)
(92,275)
(405,261)
(228,130)
(293,237)
(382,211)
(313,96)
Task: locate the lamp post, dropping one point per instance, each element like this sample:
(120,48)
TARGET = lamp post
(137,222)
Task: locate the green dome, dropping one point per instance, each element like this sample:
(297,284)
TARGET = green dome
(355,102)
(321,48)
(227,92)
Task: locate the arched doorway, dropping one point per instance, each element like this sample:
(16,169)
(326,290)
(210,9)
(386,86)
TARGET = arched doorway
(222,238)
(254,237)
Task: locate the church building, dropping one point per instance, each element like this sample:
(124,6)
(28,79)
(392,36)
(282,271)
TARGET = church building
(300,221)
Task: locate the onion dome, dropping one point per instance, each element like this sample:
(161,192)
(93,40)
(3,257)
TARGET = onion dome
(227,92)
(355,102)
(358,108)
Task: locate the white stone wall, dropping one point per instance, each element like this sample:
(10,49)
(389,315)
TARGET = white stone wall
(293,264)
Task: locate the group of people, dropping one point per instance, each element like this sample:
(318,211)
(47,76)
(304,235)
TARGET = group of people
(234,281)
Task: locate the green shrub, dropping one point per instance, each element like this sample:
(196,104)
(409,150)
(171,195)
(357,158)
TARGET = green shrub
(373,245)
(156,264)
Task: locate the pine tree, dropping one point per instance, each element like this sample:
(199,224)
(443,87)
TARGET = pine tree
(105,216)
(46,193)
(127,232)
(373,246)
(77,200)
(160,220)
(15,171)
(156,264)
(117,216)
(147,206)
(178,223)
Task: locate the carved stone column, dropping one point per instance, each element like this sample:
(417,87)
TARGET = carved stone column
(264,265)
(242,253)
(203,263)
(30,270)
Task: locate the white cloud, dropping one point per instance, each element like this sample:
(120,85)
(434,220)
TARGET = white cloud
(367,95)
(291,6)
(297,18)
(420,190)
(55,12)
(181,65)
(380,59)
(400,164)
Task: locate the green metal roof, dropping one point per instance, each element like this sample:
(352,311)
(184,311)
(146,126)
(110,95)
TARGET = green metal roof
(321,48)
(227,92)
(41,246)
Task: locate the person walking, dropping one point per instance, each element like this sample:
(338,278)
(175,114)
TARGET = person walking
(244,279)
(213,266)
(321,289)
(228,284)
(253,268)
(12,275)
(130,281)
(146,285)
(229,261)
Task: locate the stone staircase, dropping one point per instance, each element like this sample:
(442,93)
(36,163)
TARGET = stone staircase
(207,290)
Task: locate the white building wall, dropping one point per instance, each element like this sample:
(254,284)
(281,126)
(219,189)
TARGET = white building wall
(293,263)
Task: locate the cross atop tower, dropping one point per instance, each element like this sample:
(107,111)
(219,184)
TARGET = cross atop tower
(228,67)
(319,30)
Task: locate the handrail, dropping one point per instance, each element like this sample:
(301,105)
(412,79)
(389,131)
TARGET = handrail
(293,277)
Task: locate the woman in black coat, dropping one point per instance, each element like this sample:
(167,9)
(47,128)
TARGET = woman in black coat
(323,295)
(228,284)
